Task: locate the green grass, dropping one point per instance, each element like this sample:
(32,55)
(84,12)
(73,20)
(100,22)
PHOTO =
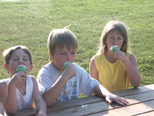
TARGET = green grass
(28,22)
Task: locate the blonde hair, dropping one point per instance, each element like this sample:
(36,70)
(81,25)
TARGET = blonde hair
(60,38)
(113,26)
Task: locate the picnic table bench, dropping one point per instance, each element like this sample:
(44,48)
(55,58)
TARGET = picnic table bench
(141,103)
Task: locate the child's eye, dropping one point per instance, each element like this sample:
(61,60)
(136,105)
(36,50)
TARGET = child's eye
(64,54)
(15,59)
(73,53)
(111,38)
(25,59)
(119,38)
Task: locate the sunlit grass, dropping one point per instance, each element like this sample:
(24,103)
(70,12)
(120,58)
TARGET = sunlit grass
(28,22)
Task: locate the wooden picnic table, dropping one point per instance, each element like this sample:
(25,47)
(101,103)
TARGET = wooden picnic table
(141,103)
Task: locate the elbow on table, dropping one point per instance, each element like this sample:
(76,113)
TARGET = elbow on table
(10,113)
(48,102)
(136,81)
(137,84)
(11,110)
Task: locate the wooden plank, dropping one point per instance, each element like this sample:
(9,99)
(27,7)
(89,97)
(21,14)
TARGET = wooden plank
(137,99)
(131,110)
(135,90)
(26,112)
(74,103)
(140,97)
(80,110)
(93,108)
(92,102)
(61,105)
(88,100)
(150,113)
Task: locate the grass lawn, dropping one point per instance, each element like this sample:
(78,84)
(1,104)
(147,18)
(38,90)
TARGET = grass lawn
(28,22)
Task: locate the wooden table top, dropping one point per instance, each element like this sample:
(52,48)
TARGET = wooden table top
(141,103)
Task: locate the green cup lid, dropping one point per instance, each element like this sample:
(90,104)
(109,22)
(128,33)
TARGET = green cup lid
(114,48)
(21,68)
(66,64)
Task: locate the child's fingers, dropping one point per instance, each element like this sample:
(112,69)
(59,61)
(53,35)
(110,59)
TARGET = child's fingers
(21,77)
(21,74)
(117,100)
(121,101)
(108,100)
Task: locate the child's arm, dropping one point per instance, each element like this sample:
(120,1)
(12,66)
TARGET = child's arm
(101,91)
(8,96)
(8,93)
(39,102)
(131,68)
(3,89)
(51,95)
(93,70)
(11,103)
(133,72)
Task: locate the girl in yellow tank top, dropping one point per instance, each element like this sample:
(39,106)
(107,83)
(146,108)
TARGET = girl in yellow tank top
(115,70)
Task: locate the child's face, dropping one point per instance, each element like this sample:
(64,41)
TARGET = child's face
(19,57)
(114,38)
(60,56)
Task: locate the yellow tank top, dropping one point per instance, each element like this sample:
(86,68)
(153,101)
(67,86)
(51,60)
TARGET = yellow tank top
(113,76)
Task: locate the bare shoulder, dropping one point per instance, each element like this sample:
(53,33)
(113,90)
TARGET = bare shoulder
(3,84)
(3,89)
(33,78)
(92,59)
(132,57)
(92,62)
(36,92)
(34,81)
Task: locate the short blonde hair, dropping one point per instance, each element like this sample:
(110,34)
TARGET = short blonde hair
(60,38)
(113,26)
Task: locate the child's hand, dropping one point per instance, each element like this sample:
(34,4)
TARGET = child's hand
(117,99)
(70,71)
(40,114)
(19,77)
(120,55)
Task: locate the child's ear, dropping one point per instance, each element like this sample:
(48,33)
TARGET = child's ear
(6,66)
(31,67)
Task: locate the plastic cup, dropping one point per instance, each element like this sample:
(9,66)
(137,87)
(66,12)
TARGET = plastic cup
(66,64)
(114,48)
(21,68)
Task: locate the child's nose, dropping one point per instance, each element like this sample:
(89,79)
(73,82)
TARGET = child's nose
(68,57)
(21,61)
(115,41)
